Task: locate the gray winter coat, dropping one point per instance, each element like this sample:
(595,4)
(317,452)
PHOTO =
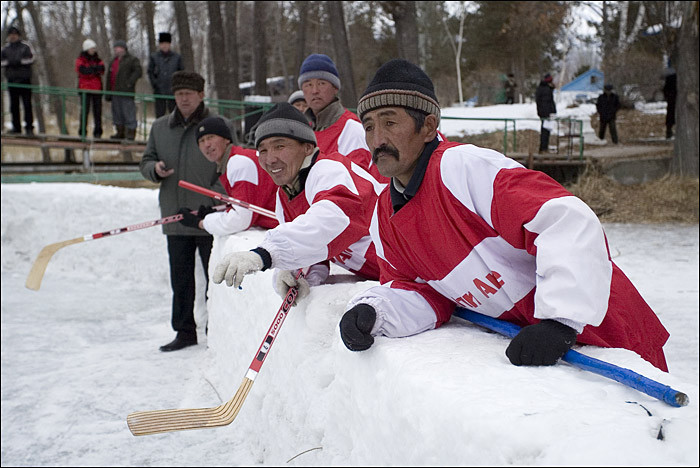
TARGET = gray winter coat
(173,141)
(160,70)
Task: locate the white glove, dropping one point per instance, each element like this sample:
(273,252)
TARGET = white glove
(285,279)
(235,266)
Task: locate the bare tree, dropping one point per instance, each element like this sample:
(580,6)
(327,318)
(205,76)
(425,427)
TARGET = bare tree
(457,49)
(98,28)
(117,16)
(259,48)
(217,43)
(348,95)
(185,39)
(404,15)
(148,15)
(231,39)
(303,8)
(685,160)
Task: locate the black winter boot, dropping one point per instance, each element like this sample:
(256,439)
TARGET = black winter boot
(120,133)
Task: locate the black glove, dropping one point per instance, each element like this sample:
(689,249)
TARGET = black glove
(356,325)
(189,219)
(204,210)
(541,344)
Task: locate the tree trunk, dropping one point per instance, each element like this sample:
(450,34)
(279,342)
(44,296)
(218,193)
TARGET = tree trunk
(404,15)
(348,95)
(99,30)
(217,44)
(232,61)
(685,159)
(301,37)
(47,65)
(183,30)
(117,16)
(149,12)
(259,49)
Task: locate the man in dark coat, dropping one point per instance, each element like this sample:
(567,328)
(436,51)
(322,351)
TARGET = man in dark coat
(17,59)
(670,91)
(172,155)
(607,105)
(544,98)
(123,72)
(161,66)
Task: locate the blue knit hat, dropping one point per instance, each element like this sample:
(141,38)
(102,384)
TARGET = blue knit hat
(319,66)
(213,125)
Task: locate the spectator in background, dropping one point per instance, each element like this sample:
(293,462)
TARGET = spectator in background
(509,86)
(336,128)
(670,91)
(241,176)
(161,66)
(17,58)
(172,155)
(546,109)
(607,106)
(123,72)
(297,100)
(90,69)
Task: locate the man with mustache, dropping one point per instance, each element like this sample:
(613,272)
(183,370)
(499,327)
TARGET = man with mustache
(460,225)
(324,206)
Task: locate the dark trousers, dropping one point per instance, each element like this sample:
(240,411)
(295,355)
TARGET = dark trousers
(164,106)
(613,130)
(181,250)
(94,101)
(670,117)
(26,95)
(544,138)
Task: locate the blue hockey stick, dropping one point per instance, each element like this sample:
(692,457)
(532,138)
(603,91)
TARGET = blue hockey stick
(611,371)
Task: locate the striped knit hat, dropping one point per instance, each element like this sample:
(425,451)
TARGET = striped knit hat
(399,83)
(283,119)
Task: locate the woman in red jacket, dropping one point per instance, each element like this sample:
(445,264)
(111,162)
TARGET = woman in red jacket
(90,69)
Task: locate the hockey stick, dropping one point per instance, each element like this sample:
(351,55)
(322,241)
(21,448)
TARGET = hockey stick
(227,199)
(611,371)
(36,274)
(157,421)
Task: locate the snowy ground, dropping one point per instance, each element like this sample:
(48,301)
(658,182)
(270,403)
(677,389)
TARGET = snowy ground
(81,353)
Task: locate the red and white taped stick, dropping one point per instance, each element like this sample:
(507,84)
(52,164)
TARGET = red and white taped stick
(226,199)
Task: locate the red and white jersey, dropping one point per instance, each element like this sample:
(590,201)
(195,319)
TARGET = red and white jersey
(485,233)
(245,180)
(347,137)
(328,220)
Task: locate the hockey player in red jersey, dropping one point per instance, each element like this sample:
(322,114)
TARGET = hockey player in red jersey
(241,176)
(324,206)
(337,129)
(460,225)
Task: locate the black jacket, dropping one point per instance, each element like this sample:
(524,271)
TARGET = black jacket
(544,98)
(17,59)
(160,70)
(607,106)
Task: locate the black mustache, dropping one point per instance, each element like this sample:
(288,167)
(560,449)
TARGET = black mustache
(385,149)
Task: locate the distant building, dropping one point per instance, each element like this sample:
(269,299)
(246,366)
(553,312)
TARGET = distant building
(586,86)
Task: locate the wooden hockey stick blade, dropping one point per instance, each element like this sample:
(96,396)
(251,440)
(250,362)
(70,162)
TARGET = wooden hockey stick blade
(158,421)
(36,274)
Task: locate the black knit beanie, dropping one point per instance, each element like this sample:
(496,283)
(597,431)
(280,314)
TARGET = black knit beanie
(402,84)
(283,119)
(188,80)
(213,126)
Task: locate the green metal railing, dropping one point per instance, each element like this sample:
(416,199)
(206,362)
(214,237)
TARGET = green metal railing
(239,110)
(235,110)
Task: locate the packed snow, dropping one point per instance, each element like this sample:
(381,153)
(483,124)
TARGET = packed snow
(81,353)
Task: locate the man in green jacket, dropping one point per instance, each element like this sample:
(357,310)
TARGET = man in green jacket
(172,155)
(122,74)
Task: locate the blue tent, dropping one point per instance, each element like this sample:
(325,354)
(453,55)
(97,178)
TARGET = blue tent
(590,81)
